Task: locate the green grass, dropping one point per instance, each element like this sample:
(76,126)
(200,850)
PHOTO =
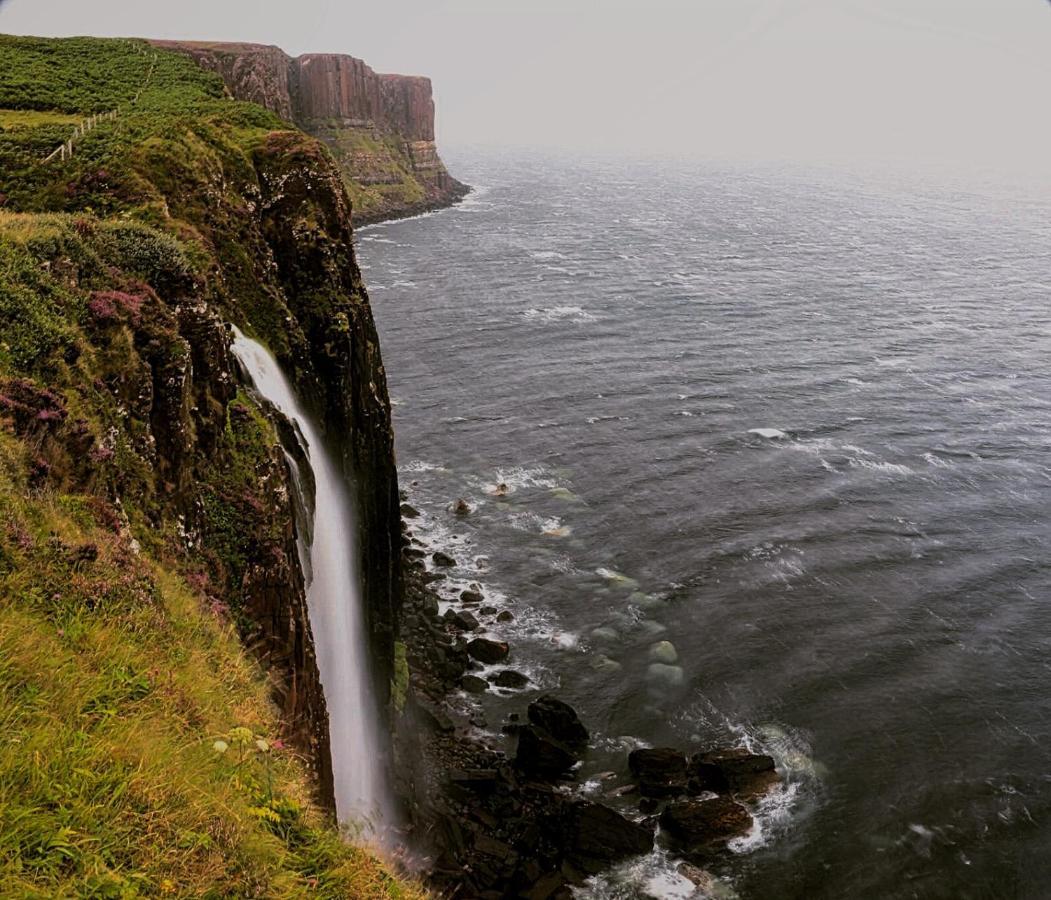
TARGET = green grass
(115,683)
(120,659)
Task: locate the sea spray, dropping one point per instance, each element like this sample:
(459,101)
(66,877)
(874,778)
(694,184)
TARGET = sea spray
(334,601)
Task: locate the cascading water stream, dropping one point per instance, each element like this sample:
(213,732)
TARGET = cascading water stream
(334,602)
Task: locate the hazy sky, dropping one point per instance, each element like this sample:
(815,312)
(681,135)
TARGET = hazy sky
(966,80)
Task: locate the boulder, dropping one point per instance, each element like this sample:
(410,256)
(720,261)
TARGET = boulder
(409,512)
(505,616)
(560,720)
(488,651)
(471,597)
(473,684)
(540,754)
(509,678)
(443,559)
(461,508)
(736,771)
(461,620)
(599,836)
(701,826)
(660,772)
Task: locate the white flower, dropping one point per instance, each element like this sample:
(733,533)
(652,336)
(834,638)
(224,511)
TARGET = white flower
(220,746)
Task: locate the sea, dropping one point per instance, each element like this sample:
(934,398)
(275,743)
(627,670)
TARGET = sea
(755,455)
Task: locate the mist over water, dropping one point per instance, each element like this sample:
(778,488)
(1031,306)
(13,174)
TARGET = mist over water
(334,602)
(796,424)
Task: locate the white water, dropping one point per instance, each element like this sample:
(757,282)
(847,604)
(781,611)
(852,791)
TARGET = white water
(334,601)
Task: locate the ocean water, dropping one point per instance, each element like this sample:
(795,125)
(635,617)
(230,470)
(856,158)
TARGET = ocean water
(796,424)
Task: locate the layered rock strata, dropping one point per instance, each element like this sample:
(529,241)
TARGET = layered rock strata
(379,127)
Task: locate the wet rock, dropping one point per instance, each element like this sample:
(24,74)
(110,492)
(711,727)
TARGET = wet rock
(461,508)
(488,610)
(664,652)
(540,754)
(461,620)
(471,597)
(599,836)
(660,772)
(560,720)
(429,605)
(443,559)
(473,684)
(509,678)
(409,511)
(414,552)
(661,674)
(736,771)
(649,805)
(488,651)
(501,490)
(702,826)
(505,616)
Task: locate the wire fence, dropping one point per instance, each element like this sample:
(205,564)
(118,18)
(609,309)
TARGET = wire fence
(65,150)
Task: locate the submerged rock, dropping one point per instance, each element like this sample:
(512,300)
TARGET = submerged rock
(461,507)
(488,651)
(660,772)
(664,652)
(660,673)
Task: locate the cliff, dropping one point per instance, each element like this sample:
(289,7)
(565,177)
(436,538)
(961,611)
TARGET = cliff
(379,127)
(145,493)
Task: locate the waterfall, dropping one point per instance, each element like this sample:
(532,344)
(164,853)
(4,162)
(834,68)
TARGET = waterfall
(334,600)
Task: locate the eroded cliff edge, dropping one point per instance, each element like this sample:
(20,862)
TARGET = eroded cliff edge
(380,128)
(121,265)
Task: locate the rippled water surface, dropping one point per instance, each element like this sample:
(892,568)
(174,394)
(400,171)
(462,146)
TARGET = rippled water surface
(799,426)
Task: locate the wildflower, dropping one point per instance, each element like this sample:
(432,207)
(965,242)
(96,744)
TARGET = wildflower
(220,746)
(278,745)
(167,886)
(261,745)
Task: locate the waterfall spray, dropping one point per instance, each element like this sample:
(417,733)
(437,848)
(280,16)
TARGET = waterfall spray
(334,602)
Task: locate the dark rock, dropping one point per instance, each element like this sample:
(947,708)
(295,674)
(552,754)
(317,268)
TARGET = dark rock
(736,771)
(599,836)
(461,620)
(661,772)
(700,825)
(409,512)
(461,508)
(505,616)
(443,559)
(488,610)
(473,684)
(541,754)
(509,678)
(429,605)
(471,597)
(488,651)
(560,720)
(413,552)
(648,806)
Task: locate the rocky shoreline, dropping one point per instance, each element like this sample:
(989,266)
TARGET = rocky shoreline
(502,815)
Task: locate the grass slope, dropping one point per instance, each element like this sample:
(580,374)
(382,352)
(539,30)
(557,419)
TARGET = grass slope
(139,752)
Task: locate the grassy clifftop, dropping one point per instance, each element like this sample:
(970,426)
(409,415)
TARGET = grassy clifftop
(146,533)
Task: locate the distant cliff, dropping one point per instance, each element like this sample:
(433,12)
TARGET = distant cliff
(379,127)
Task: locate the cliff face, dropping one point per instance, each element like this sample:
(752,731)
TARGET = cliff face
(139,248)
(379,127)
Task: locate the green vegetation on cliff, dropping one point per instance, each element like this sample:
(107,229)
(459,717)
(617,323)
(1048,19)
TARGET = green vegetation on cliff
(146,534)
